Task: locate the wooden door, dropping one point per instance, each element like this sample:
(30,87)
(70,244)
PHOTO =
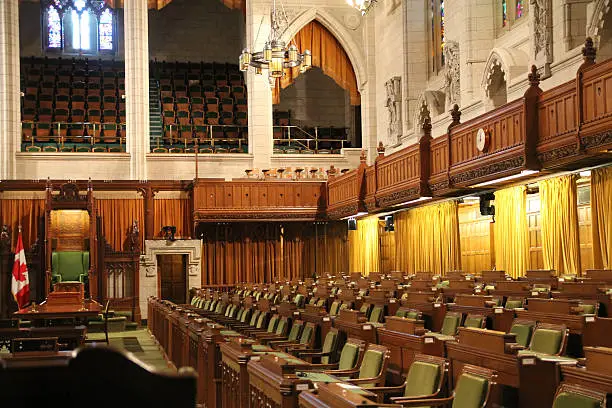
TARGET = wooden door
(172,272)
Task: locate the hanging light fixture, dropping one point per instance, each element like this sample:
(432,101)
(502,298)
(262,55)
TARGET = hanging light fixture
(275,56)
(362,5)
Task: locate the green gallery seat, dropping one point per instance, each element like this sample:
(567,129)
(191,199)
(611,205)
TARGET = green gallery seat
(523,330)
(69,266)
(452,321)
(547,339)
(576,396)
(426,378)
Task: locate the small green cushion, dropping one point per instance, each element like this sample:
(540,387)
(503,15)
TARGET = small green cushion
(473,322)
(573,400)
(348,357)
(422,379)
(328,346)
(523,333)
(470,391)
(546,341)
(513,304)
(450,324)
(370,366)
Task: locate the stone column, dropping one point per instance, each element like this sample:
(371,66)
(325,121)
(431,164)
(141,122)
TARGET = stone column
(10,107)
(259,91)
(137,86)
(368,91)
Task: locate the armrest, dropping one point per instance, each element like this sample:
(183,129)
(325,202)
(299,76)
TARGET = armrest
(363,380)
(431,402)
(348,373)
(57,277)
(325,367)
(312,353)
(513,348)
(382,391)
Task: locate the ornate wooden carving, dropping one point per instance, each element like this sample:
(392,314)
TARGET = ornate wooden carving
(346,193)
(216,199)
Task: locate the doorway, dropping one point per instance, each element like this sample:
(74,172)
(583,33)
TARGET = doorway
(172,269)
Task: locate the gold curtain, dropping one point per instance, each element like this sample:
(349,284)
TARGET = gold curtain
(427,239)
(172,211)
(601,213)
(559,211)
(364,247)
(237,253)
(117,216)
(511,232)
(24,212)
(327,54)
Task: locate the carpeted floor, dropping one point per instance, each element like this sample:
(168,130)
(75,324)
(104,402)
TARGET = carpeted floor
(140,344)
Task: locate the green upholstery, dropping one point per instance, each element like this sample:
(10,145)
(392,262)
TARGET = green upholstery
(272,324)
(370,366)
(412,314)
(587,308)
(321,302)
(422,379)
(513,304)
(260,321)
(281,326)
(572,400)
(194,300)
(306,335)
(523,333)
(450,324)
(206,305)
(294,333)
(348,357)
(470,391)
(546,341)
(299,300)
(329,345)
(376,315)
(254,318)
(244,316)
(364,308)
(473,322)
(334,308)
(70,266)
(312,301)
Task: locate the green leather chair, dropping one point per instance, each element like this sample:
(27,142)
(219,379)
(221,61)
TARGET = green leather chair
(373,368)
(452,321)
(377,314)
(513,303)
(294,335)
(474,321)
(408,313)
(334,308)
(523,330)
(547,340)
(575,396)
(69,266)
(327,352)
(426,378)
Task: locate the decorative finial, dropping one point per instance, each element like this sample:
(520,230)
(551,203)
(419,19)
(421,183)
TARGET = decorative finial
(363,156)
(380,149)
(455,114)
(588,51)
(331,173)
(427,126)
(534,77)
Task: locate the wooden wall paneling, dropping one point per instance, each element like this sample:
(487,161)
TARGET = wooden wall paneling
(346,192)
(475,234)
(370,188)
(534,225)
(439,161)
(595,91)
(558,126)
(398,177)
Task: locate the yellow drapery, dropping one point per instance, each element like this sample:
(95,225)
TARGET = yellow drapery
(559,211)
(172,211)
(601,213)
(327,54)
(427,239)
(364,247)
(24,212)
(511,232)
(117,218)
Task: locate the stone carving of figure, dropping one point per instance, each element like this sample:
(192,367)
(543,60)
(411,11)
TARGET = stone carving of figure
(394,108)
(452,87)
(540,27)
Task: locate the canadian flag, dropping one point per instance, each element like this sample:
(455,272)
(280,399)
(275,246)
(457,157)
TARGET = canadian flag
(20,283)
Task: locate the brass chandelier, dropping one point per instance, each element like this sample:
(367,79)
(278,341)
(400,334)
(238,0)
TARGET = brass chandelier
(275,56)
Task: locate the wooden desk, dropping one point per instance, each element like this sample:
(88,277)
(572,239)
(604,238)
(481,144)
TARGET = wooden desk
(353,323)
(404,338)
(597,372)
(37,314)
(337,395)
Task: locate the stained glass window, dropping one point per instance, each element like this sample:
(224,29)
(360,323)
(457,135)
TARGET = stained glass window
(54,28)
(79,26)
(442,34)
(504,14)
(519,8)
(105,30)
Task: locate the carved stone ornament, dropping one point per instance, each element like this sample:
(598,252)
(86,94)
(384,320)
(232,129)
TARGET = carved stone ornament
(452,84)
(394,107)
(541,30)
(424,115)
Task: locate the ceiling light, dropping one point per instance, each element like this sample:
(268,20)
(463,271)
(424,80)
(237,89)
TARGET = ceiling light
(507,178)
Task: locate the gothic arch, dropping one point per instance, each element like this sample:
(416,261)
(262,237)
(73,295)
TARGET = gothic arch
(336,27)
(596,22)
(513,63)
